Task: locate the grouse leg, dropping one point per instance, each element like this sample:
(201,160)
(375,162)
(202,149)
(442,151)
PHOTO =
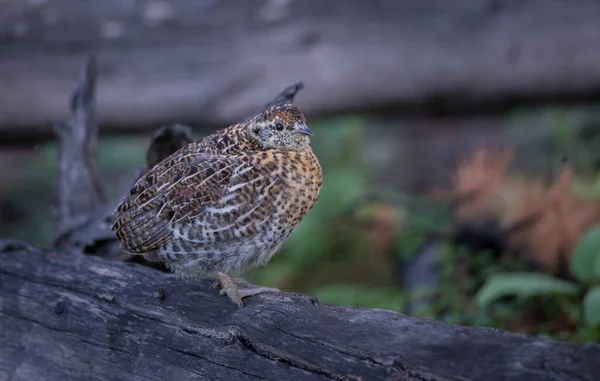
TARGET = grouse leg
(233,290)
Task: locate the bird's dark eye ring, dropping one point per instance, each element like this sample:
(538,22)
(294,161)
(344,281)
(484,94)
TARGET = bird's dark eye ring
(279,126)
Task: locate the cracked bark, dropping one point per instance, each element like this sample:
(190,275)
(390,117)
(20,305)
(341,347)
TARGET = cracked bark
(67,316)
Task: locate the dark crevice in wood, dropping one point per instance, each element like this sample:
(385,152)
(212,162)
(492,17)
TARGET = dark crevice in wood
(308,367)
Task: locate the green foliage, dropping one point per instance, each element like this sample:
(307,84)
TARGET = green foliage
(408,243)
(564,126)
(421,219)
(587,188)
(585,264)
(591,307)
(355,295)
(522,285)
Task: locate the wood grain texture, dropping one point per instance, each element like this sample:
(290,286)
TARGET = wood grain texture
(76,317)
(214,62)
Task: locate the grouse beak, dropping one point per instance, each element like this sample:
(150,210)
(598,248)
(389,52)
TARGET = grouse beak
(303,130)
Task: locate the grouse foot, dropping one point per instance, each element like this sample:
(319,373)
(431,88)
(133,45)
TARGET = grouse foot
(235,292)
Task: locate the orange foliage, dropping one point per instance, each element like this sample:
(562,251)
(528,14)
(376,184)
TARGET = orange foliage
(560,216)
(379,227)
(384,225)
(480,180)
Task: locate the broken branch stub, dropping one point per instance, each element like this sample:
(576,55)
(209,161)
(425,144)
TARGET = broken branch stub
(79,189)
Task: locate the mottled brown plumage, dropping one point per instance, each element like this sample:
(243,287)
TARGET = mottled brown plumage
(226,203)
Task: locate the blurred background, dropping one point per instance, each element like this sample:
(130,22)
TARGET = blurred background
(459,140)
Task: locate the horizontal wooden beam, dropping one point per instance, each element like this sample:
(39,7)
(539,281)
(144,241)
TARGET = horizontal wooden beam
(213,63)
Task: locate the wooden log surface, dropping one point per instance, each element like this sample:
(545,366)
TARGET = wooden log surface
(214,62)
(69,316)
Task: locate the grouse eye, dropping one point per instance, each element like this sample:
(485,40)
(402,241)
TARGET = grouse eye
(279,126)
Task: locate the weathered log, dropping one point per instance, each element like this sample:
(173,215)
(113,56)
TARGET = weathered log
(212,62)
(66,316)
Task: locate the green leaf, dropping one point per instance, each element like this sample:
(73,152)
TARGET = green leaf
(597,268)
(522,285)
(591,307)
(584,264)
